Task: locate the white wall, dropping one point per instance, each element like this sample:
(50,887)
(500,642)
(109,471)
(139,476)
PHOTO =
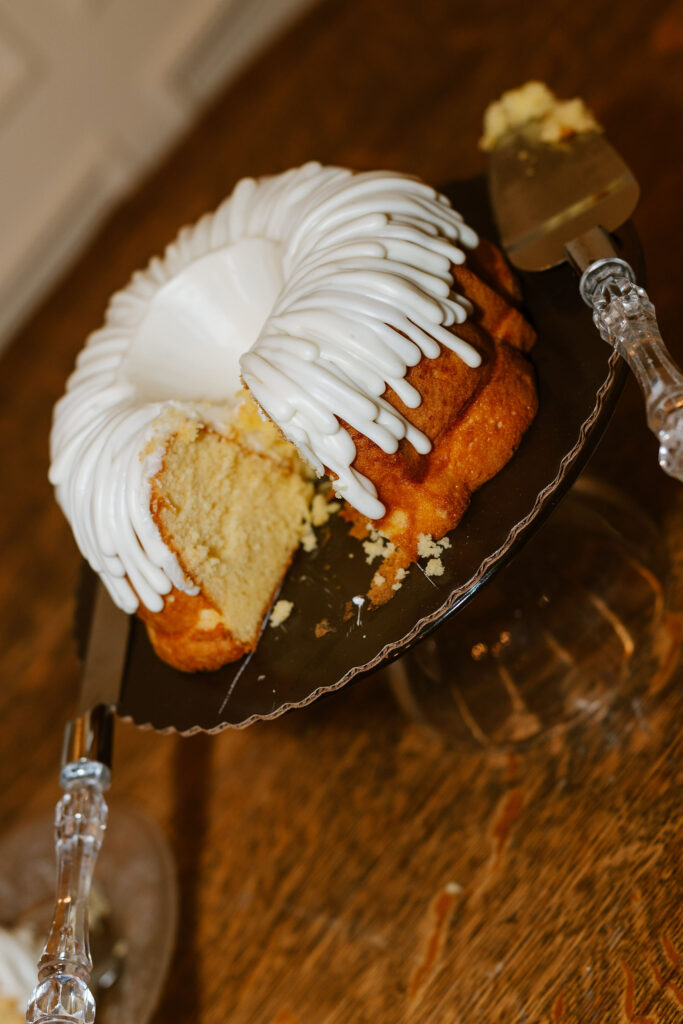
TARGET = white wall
(91,93)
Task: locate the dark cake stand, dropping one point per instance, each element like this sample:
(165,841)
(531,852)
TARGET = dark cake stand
(579,381)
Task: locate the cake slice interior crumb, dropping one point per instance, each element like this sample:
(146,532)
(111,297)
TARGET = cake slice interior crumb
(233,508)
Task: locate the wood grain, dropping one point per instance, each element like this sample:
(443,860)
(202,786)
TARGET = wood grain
(345,863)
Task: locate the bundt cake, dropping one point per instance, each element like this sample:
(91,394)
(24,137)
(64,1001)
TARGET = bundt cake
(319,322)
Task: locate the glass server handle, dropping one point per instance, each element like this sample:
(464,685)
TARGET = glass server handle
(625,317)
(63,991)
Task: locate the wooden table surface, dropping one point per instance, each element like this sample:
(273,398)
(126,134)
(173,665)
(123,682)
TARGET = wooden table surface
(344,863)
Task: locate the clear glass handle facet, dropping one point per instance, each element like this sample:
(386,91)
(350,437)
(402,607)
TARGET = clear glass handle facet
(625,317)
(63,991)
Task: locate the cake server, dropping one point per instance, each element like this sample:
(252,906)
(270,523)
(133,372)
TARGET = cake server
(63,991)
(560,201)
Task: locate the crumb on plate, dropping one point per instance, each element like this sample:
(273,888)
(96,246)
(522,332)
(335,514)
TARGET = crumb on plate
(282,609)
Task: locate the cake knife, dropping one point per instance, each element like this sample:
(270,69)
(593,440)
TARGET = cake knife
(559,201)
(63,990)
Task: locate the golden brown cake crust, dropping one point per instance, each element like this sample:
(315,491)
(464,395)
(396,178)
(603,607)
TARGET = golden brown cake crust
(179,637)
(475,419)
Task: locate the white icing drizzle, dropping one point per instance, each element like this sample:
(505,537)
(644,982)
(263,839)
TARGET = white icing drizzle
(322,286)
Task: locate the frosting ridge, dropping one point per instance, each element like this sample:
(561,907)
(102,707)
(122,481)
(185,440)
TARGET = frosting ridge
(355,288)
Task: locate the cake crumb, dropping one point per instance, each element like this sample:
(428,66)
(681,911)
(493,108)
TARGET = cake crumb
(322,628)
(377,546)
(427,547)
(208,618)
(309,541)
(322,509)
(434,567)
(378,580)
(399,577)
(281,611)
(558,120)
(319,513)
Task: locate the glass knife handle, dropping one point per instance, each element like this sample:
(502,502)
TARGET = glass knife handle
(626,318)
(63,991)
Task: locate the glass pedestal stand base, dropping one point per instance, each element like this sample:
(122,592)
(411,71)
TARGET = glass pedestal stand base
(578,621)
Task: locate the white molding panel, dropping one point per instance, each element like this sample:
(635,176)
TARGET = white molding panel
(91,93)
